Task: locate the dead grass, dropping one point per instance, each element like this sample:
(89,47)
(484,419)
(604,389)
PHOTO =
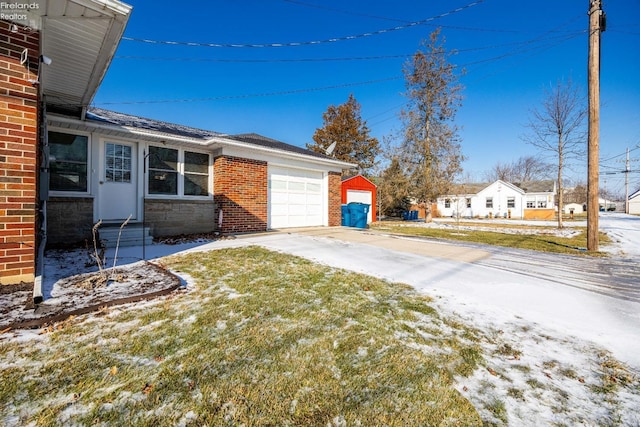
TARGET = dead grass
(265,339)
(541,241)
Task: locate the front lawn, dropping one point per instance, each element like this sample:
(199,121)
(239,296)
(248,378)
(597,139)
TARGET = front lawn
(541,239)
(264,339)
(261,338)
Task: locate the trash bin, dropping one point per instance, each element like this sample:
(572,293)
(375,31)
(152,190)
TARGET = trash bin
(406,215)
(346,216)
(358,213)
(414,215)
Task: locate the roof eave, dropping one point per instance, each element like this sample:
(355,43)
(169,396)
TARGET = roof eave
(90,125)
(222,141)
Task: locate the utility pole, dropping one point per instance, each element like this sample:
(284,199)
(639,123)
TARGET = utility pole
(596,26)
(626,184)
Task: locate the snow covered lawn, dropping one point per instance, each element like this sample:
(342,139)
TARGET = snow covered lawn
(259,336)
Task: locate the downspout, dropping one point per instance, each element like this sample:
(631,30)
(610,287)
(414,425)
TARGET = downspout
(43,196)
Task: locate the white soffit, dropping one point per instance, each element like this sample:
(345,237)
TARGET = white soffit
(80,37)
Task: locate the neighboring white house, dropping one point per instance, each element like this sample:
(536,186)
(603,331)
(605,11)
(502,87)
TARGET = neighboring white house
(529,200)
(576,208)
(634,203)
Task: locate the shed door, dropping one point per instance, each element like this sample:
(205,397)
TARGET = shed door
(295,198)
(361,196)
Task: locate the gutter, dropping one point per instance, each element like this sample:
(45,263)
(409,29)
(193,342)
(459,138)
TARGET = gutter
(285,153)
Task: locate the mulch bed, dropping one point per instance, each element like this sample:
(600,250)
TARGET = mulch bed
(84,293)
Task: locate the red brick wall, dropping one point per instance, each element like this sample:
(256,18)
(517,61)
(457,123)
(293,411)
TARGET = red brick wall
(335,199)
(240,190)
(18,155)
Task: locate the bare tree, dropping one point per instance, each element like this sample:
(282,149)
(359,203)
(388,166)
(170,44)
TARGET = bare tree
(559,128)
(430,143)
(525,169)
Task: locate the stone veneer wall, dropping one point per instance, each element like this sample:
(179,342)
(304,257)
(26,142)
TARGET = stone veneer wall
(174,217)
(240,191)
(335,199)
(69,220)
(18,154)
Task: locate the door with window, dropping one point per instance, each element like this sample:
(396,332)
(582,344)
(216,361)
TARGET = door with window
(118,192)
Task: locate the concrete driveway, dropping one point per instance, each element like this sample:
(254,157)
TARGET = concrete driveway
(496,287)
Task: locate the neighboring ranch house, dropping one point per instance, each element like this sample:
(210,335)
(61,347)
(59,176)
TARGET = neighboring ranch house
(634,203)
(64,166)
(530,200)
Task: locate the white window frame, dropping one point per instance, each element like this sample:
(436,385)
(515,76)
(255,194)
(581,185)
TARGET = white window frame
(181,175)
(488,202)
(62,193)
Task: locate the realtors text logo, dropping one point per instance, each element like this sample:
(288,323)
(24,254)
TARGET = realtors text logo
(17,11)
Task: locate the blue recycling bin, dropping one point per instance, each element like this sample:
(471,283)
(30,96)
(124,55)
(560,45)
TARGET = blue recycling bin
(358,213)
(406,215)
(414,215)
(346,216)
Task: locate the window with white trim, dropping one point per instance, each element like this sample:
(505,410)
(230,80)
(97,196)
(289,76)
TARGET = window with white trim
(163,171)
(174,172)
(511,202)
(447,203)
(68,162)
(489,202)
(196,174)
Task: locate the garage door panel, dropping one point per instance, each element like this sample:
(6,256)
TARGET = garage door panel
(296,198)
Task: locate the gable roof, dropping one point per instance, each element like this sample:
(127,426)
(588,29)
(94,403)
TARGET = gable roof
(125,122)
(546,186)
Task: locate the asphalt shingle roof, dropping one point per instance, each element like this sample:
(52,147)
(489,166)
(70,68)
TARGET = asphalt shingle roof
(263,141)
(121,119)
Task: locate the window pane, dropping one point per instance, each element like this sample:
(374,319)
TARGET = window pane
(68,177)
(161,182)
(196,185)
(66,147)
(163,158)
(196,162)
(68,156)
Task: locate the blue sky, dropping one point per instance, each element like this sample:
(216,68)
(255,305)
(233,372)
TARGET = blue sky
(511,51)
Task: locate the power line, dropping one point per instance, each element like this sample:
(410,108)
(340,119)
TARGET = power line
(255,95)
(561,39)
(308,43)
(317,89)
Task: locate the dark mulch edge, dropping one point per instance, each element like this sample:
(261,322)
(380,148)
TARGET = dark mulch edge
(46,320)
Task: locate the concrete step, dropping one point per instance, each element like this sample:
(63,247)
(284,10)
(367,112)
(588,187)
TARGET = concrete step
(132,235)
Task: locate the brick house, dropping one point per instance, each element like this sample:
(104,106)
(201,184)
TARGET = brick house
(64,166)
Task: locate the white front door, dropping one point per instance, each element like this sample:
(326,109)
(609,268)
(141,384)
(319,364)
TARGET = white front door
(118,192)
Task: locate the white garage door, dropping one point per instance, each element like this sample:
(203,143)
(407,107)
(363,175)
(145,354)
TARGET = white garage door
(295,198)
(361,196)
